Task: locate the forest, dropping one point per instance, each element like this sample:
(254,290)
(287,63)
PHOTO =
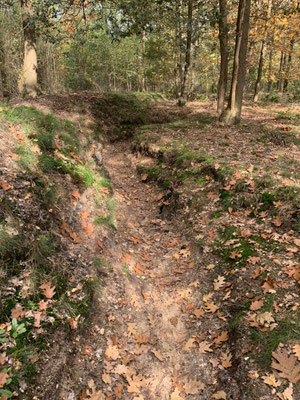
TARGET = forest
(149,199)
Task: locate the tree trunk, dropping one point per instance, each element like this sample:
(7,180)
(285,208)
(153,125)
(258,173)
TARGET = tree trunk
(187,64)
(223,38)
(28,83)
(281,67)
(259,71)
(270,72)
(286,82)
(233,112)
(262,55)
(143,61)
(4,85)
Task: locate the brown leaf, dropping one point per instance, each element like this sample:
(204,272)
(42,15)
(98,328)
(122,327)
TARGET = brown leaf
(3,379)
(219,282)
(205,347)
(193,386)
(37,319)
(226,360)
(72,322)
(3,358)
(277,221)
(43,305)
(112,352)
(198,312)
(222,338)
(118,390)
(126,258)
(176,395)
(296,350)
(121,369)
(287,365)
(256,305)
(106,379)
(18,312)
(48,290)
(219,395)
(189,344)
(157,354)
(76,195)
(270,380)
(5,186)
(211,307)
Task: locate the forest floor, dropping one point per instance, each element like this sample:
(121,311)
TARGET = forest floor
(175,267)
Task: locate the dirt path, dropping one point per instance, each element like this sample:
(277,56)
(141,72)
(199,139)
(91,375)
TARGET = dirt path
(146,344)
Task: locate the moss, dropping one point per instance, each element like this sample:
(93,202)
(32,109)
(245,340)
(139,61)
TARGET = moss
(287,329)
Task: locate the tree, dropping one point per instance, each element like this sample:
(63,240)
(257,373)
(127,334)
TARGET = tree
(223,38)
(262,53)
(28,81)
(233,112)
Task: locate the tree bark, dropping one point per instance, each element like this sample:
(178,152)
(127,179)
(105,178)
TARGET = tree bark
(286,81)
(281,67)
(223,38)
(259,71)
(143,61)
(187,64)
(270,71)
(233,112)
(28,81)
(262,55)
(4,85)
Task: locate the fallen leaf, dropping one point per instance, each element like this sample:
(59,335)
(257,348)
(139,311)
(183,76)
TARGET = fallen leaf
(198,312)
(277,221)
(189,344)
(219,282)
(288,393)
(205,347)
(5,186)
(287,365)
(37,319)
(43,305)
(112,352)
(106,379)
(221,338)
(121,369)
(266,317)
(48,290)
(219,395)
(157,354)
(211,307)
(118,390)
(72,322)
(226,360)
(176,395)
(296,350)
(193,386)
(256,305)
(270,380)
(3,379)
(126,258)
(18,312)
(76,195)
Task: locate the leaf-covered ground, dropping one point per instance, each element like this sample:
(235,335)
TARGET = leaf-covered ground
(191,230)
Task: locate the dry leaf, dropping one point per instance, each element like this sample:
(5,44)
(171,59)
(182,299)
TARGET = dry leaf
(270,380)
(219,282)
(189,344)
(5,186)
(264,318)
(193,386)
(287,365)
(37,319)
(205,347)
(176,395)
(211,307)
(296,350)
(118,390)
(106,379)
(43,305)
(73,323)
(157,354)
(18,312)
(288,393)
(112,352)
(121,369)
(219,395)
(48,290)
(226,360)
(76,195)
(222,338)
(277,221)
(256,305)
(198,313)
(3,379)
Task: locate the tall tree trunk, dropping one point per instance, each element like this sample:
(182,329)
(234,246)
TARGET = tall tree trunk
(259,71)
(143,61)
(262,55)
(223,38)
(286,81)
(4,84)
(233,112)
(270,69)
(248,68)
(28,82)
(187,64)
(281,67)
